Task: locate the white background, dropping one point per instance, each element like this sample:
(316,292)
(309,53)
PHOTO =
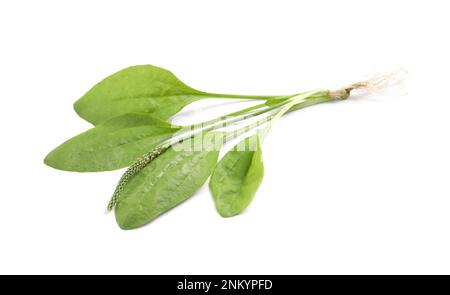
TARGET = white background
(355,187)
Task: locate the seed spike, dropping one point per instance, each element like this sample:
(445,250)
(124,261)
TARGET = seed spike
(135,168)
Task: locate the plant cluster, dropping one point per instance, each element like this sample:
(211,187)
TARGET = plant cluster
(130,111)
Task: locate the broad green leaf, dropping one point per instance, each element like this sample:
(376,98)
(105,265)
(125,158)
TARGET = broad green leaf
(145,88)
(237,177)
(112,145)
(164,183)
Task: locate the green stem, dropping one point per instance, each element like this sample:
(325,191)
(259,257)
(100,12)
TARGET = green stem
(230,118)
(222,118)
(299,101)
(238,96)
(295,103)
(277,101)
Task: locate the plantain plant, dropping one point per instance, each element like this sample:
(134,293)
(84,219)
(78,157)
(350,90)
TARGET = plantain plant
(168,163)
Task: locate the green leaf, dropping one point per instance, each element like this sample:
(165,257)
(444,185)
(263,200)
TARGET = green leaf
(112,145)
(145,88)
(164,183)
(237,177)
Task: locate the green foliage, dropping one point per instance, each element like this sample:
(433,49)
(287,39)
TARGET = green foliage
(166,164)
(237,177)
(112,145)
(146,89)
(164,183)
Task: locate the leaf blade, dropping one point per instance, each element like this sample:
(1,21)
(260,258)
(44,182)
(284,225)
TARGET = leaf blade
(166,182)
(143,88)
(112,145)
(237,177)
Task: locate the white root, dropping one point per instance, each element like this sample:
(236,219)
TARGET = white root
(381,81)
(377,82)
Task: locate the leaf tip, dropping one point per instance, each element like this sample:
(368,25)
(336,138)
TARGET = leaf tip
(126,224)
(81,111)
(125,218)
(56,159)
(227,214)
(49,160)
